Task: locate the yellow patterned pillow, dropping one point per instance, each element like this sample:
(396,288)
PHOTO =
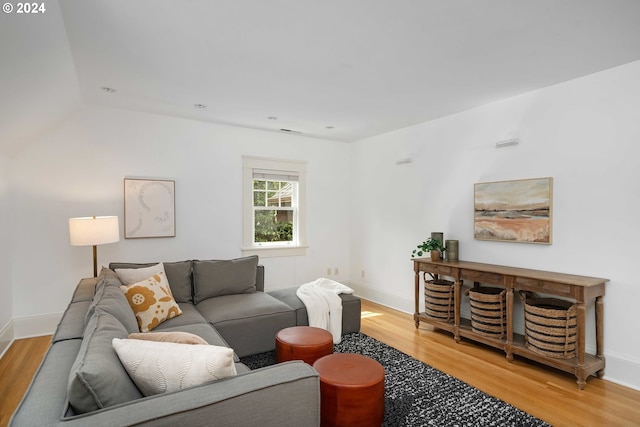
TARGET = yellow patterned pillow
(151,301)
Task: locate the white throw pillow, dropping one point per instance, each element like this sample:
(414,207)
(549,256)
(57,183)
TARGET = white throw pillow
(160,367)
(133,275)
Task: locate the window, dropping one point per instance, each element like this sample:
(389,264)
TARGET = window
(274,207)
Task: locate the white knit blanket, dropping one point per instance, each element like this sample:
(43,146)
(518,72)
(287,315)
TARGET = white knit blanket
(324,306)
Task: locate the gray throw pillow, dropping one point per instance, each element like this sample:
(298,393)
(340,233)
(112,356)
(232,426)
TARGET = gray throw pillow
(178,276)
(224,277)
(97,378)
(111,299)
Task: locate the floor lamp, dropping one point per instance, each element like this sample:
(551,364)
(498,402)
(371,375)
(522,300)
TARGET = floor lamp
(94,231)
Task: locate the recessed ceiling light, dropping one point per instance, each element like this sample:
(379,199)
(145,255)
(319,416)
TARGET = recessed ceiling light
(199,105)
(272,118)
(108,89)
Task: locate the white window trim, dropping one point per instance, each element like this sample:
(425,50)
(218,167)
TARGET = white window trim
(249,163)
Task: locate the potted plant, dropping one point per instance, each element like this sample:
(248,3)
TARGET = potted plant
(434,246)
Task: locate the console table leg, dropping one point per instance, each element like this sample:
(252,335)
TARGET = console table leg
(582,382)
(416,320)
(599,326)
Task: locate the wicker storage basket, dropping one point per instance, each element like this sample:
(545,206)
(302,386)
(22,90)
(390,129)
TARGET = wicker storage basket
(438,299)
(488,311)
(550,326)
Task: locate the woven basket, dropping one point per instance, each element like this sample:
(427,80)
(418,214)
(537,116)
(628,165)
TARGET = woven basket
(488,311)
(438,299)
(550,326)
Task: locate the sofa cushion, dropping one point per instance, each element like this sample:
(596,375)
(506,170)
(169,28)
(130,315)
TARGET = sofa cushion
(178,275)
(190,316)
(224,277)
(85,290)
(161,367)
(151,301)
(71,325)
(110,298)
(248,322)
(97,378)
(179,337)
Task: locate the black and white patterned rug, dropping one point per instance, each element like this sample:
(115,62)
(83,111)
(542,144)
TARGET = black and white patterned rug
(418,395)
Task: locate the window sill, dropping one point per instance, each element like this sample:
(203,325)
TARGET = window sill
(275,251)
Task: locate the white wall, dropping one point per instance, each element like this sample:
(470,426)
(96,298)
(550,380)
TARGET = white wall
(6,306)
(583,133)
(78,170)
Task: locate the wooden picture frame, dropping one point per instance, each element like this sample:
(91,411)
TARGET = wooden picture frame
(149,208)
(514,211)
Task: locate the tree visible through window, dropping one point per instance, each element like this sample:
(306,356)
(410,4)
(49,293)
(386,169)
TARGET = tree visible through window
(273,211)
(274,203)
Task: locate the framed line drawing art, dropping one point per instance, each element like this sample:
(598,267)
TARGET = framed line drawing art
(514,211)
(149,208)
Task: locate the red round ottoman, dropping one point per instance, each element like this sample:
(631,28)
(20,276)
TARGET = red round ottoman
(351,390)
(304,343)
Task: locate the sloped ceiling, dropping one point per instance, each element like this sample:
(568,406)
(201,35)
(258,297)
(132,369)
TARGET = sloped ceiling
(342,70)
(38,82)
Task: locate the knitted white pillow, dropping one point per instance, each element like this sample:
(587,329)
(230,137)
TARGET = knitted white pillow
(160,367)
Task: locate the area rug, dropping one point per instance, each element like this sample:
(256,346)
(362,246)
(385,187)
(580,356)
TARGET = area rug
(418,395)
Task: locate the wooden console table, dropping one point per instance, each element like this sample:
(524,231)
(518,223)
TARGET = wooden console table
(579,288)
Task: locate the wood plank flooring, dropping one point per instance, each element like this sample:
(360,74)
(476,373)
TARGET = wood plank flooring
(17,367)
(546,393)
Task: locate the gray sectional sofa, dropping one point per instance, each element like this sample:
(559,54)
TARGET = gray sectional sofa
(82,382)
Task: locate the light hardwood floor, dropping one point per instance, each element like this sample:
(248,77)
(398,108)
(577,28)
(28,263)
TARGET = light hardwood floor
(543,392)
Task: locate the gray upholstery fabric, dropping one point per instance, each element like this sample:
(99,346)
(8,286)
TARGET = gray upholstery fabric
(190,315)
(71,325)
(85,290)
(178,275)
(224,277)
(350,308)
(111,299)
(260,279)
(98,379)
(45,400)
(248,322)
(286,394)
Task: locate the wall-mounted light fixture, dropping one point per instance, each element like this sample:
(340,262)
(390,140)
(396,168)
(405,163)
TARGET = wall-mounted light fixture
(507,142)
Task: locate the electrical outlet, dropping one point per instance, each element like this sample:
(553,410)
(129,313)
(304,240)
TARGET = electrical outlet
(328,271)
(336,271)
(362,274)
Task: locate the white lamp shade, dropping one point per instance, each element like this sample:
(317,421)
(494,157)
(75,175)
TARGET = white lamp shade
(97,230)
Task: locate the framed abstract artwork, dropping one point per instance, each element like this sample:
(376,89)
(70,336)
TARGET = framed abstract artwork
(149,208)
(514,211)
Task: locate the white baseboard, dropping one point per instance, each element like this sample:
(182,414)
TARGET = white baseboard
(621,368)
(35,326)
(6,337)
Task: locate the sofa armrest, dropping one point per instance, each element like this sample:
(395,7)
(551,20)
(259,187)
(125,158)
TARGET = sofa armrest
(287,394)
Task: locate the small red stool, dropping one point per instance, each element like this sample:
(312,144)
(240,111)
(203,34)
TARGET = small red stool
(351,390)
(304,343)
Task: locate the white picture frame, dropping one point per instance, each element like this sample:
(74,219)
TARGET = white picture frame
(149,208)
